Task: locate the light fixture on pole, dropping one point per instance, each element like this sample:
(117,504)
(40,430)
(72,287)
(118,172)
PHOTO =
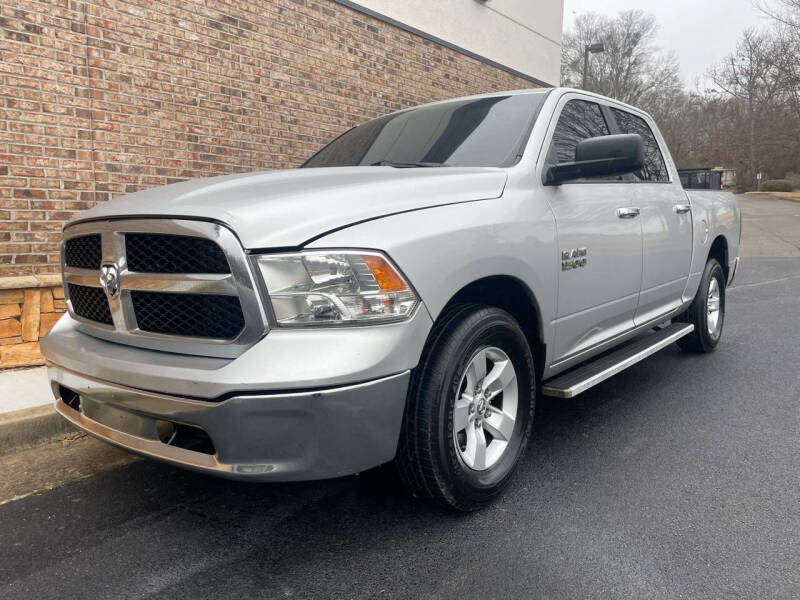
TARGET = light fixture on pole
(590,49)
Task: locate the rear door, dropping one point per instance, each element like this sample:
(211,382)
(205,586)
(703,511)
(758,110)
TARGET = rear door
(666,222)
(599,243)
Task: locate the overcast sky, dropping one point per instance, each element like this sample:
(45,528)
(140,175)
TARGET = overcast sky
(701,32)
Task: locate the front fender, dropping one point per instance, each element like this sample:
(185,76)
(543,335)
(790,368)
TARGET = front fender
(443,249)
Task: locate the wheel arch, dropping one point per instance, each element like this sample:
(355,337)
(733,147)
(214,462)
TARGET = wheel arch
(515,297)
(719,251)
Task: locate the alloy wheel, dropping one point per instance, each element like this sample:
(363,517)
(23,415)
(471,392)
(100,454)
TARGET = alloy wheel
(713,307)
(485,410)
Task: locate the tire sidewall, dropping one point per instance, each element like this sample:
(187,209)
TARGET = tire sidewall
(713,271)
(500,330)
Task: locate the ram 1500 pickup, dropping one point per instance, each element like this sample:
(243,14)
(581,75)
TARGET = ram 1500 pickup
(406,294)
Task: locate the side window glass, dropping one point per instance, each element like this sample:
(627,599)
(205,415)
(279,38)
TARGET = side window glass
(655,169)
(579,120)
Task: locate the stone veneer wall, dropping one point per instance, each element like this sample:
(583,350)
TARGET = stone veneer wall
(29,307)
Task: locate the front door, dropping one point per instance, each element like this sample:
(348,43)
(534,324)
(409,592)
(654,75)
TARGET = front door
(599,240)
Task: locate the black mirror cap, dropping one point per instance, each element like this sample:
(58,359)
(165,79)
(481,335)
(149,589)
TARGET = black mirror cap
(623,147)
(601,157)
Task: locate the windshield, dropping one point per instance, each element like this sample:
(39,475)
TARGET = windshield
(484,132)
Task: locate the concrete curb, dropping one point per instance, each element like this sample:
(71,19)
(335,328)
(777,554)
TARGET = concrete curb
(31,426)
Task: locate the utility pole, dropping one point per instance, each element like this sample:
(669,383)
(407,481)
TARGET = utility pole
(590,49)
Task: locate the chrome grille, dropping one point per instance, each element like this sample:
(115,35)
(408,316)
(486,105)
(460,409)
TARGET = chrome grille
(164,284)
(192,315)
(90,303)
(159,253)
(83,252)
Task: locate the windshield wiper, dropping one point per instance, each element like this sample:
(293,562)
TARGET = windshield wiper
(404,165)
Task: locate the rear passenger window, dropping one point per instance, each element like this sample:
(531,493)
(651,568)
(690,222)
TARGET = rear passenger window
(655,169)
(579,120)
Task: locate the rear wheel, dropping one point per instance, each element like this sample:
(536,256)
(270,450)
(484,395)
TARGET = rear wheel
(706,312)
(470,409)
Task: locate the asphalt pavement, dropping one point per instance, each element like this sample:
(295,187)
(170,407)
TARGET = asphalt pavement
(678,478)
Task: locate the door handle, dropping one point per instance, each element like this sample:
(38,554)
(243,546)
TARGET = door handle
(628,212)
(682,209)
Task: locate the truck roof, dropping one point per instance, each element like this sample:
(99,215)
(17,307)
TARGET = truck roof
(558,90)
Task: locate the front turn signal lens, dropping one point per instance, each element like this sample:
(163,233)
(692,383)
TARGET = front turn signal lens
(335,288)
(385,276)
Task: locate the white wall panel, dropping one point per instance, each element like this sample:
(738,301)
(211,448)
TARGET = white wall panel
(524,35)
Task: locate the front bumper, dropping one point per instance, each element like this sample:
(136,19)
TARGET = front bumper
(256,409)
(264,437)
(284,360)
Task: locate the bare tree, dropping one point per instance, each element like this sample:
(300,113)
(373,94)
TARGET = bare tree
(749,119)
(631,69)
(786,12)
(786,16)
(757,77)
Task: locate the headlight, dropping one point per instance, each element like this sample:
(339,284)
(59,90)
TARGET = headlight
(335,288)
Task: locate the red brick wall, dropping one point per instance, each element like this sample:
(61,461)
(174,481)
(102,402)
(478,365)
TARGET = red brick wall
(105,97)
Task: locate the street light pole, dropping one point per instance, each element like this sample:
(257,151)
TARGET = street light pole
(590,49)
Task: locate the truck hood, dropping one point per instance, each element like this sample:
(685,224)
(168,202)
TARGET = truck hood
(288,208)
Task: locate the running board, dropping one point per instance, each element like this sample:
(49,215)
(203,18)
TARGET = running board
(589,375)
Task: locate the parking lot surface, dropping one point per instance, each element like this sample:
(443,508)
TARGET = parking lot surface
(679,477)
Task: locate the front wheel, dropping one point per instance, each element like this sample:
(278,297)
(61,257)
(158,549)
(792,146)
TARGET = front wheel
(470,409)
(706,312)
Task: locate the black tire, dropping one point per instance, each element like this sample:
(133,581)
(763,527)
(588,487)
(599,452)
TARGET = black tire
(428,460)
(701,340)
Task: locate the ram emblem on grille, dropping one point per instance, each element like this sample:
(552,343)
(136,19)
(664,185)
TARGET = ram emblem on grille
(109,279)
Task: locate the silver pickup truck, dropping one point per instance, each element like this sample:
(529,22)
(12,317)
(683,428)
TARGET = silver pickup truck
(405,295)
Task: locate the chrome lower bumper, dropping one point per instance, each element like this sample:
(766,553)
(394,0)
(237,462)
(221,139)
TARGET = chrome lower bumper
(269,437)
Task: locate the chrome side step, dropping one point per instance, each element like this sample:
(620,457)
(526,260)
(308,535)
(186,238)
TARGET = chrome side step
(581,379)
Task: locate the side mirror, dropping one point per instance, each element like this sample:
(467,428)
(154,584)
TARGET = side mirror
(600,157)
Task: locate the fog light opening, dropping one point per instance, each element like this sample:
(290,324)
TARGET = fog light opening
(165,431)
(193,438)
(70,397)
(184,436)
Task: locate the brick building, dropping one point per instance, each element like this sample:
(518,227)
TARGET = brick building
(103,97)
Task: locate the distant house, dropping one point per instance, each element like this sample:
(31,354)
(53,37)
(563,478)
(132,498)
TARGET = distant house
(728,177)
